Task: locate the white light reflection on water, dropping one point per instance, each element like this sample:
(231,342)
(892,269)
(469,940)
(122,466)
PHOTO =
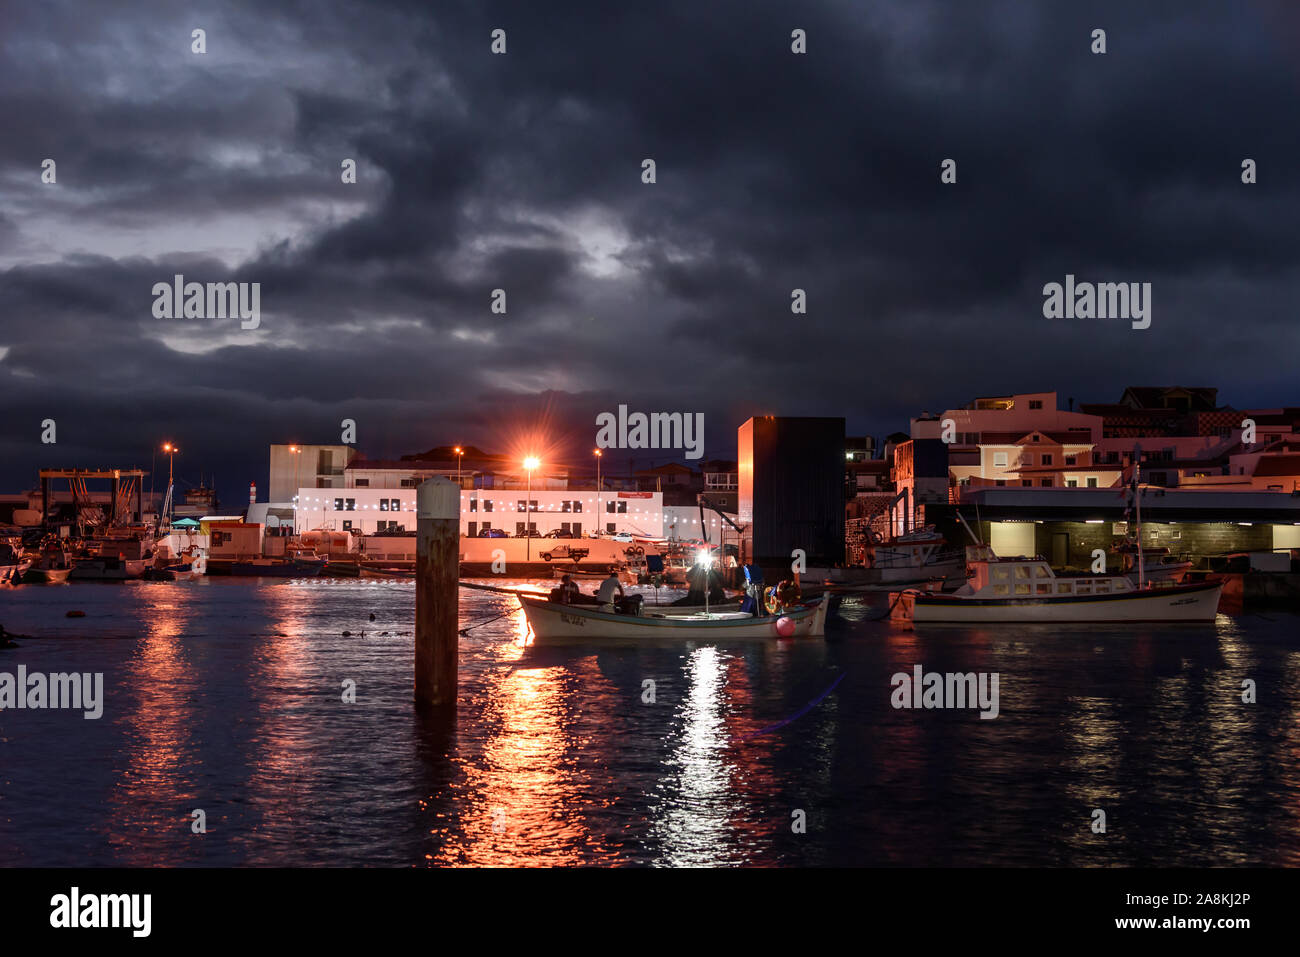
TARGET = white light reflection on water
(692,821)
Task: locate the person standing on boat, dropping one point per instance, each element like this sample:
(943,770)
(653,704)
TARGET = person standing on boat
(609,588)
(569,590)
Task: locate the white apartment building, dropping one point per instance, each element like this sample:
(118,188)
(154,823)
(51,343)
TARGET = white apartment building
(577,511)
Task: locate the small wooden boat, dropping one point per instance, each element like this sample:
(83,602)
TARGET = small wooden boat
(552,620)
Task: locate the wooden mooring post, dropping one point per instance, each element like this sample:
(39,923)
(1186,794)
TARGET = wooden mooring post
(437,594)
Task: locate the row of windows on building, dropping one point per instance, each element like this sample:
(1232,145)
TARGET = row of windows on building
(573,528)
(384,505)
(613,507)
(1047,458)
(381,525)
(1090,482)
(1099,458)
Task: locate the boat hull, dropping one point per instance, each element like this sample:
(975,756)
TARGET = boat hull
(394,573)
(46,576)
(551,621)
(1179,603)
(269,569)
(108,570)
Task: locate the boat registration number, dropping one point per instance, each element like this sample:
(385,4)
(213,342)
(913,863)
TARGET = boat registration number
(573,620)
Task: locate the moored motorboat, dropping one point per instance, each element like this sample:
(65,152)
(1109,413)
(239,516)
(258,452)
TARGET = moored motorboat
(1028,590)
(913,556)
(553,620)
(51,567)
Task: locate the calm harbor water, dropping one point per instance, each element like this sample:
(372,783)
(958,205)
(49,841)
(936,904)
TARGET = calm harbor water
(226,696)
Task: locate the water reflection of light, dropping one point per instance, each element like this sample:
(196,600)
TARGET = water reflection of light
(693,820)
(522,797)
(281,672)
(156,687)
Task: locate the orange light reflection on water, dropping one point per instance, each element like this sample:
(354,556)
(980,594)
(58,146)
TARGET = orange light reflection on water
(144,801)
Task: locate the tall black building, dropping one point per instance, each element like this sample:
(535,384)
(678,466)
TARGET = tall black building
(792,489)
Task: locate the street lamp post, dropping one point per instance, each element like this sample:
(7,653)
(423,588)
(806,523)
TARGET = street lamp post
(171,451)
(600,516)
(297,452)
(460,456)
(530,463)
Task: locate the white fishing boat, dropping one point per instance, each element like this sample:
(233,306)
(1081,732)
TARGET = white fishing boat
(553,620)
(1028,590)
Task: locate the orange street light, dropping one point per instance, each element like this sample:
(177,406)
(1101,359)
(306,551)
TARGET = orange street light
(599,518)
(530,463)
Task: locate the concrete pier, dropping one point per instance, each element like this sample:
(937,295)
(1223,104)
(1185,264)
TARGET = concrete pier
(437,595)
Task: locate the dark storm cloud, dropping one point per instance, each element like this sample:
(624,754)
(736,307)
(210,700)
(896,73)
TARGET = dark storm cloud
(522,172)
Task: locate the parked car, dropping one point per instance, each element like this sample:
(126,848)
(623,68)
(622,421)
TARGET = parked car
(621,537)
(492,533)
(558,533)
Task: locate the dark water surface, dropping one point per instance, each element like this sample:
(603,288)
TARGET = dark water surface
(226,695)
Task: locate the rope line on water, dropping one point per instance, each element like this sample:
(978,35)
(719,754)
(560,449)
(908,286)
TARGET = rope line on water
(464,632)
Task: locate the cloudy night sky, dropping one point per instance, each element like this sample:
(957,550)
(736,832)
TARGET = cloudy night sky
(522,171)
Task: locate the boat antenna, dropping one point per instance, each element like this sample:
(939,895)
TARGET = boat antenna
(975,538)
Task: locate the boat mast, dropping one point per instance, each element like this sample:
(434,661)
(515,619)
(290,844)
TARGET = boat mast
(1137,501)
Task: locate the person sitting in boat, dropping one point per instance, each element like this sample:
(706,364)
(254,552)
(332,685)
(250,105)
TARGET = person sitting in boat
(569,590)
(610,588)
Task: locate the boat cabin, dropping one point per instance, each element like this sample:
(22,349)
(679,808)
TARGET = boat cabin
(991,577)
